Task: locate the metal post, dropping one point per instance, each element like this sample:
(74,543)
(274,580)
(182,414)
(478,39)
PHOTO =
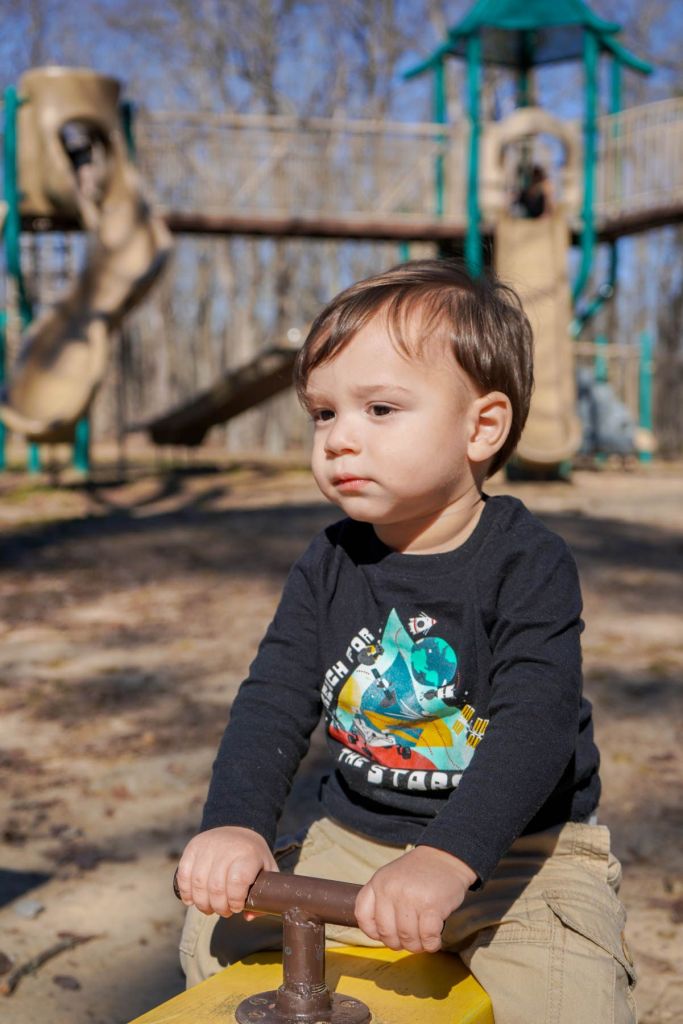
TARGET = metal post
(473,247)
(3,358)
(33,458)
(615,86)
(645,376)
(81,452)
(601,365)
(13,198)
(590,53)
(439,114)
(403,252)
(615,108)
(526,60)
(12,235)
(127,112)
(303,990)
(304,998)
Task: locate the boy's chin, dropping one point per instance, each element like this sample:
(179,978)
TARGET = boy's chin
(352,509)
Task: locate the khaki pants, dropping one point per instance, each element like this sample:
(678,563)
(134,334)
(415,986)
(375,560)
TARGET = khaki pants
(544,936)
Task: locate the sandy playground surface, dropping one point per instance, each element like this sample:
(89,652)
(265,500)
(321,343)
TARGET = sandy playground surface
(128,615)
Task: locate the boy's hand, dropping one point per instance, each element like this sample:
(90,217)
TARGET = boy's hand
(218,867)
(405,904)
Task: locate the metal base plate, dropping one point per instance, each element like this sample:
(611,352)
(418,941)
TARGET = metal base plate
(260,1009)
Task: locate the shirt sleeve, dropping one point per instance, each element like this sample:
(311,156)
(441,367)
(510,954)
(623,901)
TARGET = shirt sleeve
(533,621)
(275,711)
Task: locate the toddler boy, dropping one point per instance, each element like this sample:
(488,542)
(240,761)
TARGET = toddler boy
(437,630)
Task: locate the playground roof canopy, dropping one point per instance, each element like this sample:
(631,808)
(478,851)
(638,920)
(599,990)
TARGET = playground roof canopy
(523,33)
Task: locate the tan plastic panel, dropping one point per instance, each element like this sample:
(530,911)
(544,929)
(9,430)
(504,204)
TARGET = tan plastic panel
(525,123)
(531,255)
(63,356)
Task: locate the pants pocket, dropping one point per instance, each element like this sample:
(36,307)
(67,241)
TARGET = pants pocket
(601,920)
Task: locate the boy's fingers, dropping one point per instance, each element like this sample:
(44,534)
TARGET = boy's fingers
(182,880)
(239,881)
(430,928)
(408,930)
(217,889)
(364,910)
(200,893)
(385,919)
(198,871)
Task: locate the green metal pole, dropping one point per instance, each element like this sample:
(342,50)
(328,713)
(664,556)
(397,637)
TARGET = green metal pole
(81,454)
(12,196)
(604,294)
(590,53)
(615,86)
(525,63)
(127,111)
(523,87)
(600,369)
(440,117)
(473,246)
(645,375)
(606,290)
(33,458)
(3,358)
(615,108)
(13,230)
(601,373)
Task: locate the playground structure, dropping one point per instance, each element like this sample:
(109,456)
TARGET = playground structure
(73,162)
(451,185)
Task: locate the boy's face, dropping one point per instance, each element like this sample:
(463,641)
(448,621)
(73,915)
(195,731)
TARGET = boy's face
(391,432)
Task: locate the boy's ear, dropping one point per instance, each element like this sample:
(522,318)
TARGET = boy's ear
(491,422)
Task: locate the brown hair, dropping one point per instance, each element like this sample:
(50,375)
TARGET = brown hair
(481,318)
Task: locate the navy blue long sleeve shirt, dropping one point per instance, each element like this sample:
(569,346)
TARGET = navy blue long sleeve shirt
(450,685)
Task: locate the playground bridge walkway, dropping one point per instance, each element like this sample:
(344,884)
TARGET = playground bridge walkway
(334,178)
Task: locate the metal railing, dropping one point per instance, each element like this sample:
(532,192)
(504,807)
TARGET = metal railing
(640,164)
(285,166)
(252,164)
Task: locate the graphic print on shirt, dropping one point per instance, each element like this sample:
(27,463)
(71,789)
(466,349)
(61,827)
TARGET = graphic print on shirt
(398,707)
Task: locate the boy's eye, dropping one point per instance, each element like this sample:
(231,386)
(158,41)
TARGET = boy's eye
(322,415)
(379,409)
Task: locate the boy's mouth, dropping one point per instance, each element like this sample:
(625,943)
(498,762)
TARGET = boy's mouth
(347,482)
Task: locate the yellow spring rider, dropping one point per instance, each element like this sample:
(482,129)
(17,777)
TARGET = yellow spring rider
(356,985)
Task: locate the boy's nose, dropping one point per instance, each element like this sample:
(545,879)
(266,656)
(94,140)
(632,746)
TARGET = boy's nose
(341,438)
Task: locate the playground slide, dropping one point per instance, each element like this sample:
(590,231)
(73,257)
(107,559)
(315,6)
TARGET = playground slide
(238,390)
(73,162)
(531,255)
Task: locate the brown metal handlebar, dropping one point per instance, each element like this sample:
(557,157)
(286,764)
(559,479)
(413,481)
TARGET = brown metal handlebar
(329,901)
(306,905)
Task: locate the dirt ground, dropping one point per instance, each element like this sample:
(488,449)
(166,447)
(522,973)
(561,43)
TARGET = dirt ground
(129,613)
